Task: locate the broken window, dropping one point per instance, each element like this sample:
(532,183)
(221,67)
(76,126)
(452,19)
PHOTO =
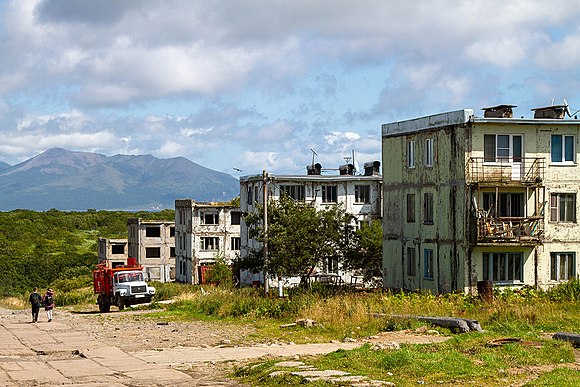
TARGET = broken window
(411,262)
(332,265)
(172,252)
(118,249)
(510,204)
(250,197)
(497,147)
(153,252)
(210,243)
(562,266)
(210,217)
(235,217)
(172,232)
(410,208)
(429,155)
(428,263)
(296,192)
(506,267)
(153,232)
(563,207)
(428,208)
(562,148)
(329,194)
(410,154)
(362,194)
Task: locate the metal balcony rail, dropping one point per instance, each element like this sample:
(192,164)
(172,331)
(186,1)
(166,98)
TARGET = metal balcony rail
(527,170)
(529,229)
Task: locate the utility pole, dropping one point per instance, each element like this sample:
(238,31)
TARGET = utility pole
(265,251)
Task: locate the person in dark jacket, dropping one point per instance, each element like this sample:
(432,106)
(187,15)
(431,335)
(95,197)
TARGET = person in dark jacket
(48,301)
(35,301)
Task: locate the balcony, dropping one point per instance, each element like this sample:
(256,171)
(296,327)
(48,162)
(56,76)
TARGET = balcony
(524,170)
(528,230)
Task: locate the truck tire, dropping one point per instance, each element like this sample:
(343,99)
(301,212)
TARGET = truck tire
(121,304)
(104,304)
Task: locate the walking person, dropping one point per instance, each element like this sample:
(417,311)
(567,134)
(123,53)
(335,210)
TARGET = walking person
(49,303)
(35,301)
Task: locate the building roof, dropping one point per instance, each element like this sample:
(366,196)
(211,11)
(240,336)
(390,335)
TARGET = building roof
(312,178)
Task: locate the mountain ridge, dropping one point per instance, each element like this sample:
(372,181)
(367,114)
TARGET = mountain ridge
(75,181)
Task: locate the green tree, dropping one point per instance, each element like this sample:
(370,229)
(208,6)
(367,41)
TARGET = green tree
(365,251)
(299,236)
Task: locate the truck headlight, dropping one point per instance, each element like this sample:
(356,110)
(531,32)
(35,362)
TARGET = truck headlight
(122,292)
(151,290)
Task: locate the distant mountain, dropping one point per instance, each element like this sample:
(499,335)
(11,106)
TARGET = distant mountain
(76,181)
(4,165)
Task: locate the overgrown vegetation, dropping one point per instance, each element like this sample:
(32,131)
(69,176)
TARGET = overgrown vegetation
(38,248)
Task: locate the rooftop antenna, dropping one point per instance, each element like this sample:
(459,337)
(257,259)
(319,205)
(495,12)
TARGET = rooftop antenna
(567,108)
(313,154)
(347,159)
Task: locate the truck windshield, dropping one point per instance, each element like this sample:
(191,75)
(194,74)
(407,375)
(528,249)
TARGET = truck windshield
(130,277)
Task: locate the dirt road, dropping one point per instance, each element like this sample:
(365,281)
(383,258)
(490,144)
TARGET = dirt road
(130,349)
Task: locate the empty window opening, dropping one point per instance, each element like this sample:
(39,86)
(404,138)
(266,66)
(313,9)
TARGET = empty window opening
(153,232)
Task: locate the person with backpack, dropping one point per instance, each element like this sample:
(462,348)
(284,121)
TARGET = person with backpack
(48,301)
(35,301)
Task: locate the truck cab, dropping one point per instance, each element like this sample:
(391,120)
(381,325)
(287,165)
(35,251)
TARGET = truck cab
(129,287)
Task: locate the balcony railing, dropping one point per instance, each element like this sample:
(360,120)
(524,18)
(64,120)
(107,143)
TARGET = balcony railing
(510,230)
(527,170)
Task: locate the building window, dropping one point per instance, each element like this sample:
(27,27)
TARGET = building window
(296,192)
(411,262)
(256,194)
(410,208)
(210,243)
(563,148)
(362,193)
(235,243)
(329,194)
(153,232)
(511,205)
(428,264)
(118,249)
(428,208)
(250,197)
(410,154)
(210,218)
(563,207)
(172,252)
(429,155)
(506,267)
(153,252)
(171,232)
(235,217)
(497,147)
(332,265)
(562,266)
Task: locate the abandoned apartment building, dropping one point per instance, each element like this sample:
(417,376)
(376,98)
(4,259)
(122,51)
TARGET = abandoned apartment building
(151,242)
(359,194)
(204,232)
(482,201)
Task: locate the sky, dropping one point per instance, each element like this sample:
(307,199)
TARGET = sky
(247,85)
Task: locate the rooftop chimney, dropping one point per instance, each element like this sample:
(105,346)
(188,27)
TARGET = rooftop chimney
(555,112)
(346,169)
(372,168)
(314,169)
(500,111)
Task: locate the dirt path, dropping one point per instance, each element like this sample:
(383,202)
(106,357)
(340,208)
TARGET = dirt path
(79,347)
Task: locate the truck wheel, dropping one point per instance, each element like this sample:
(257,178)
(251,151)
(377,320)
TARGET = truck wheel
(104,304)
(121,304)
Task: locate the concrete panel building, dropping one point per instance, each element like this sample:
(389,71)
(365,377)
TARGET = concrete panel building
(204,232)
(361,196)
(475,200)
(112,251)
(152,243)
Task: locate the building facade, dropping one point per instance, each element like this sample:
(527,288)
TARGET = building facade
(473,200)
(152,243)
(361,196)
(112,251)
(204,232)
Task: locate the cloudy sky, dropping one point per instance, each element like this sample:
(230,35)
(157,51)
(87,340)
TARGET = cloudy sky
(257,84)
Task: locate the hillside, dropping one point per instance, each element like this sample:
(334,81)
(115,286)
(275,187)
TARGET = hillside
(73,181)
